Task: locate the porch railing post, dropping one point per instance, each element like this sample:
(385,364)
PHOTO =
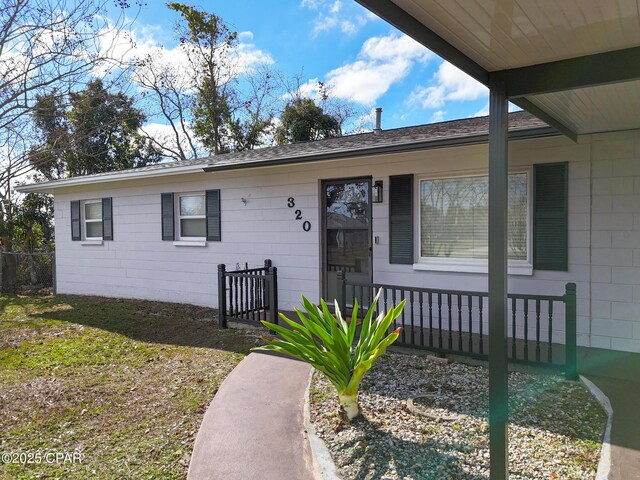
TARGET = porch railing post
(222,296)
(272,280)
(571,359)
(342,290)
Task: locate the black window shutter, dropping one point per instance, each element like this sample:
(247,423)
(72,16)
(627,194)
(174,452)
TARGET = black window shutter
(107,219)
(401,219)
(168,224)
(76,230)
(214,233)
(551,217)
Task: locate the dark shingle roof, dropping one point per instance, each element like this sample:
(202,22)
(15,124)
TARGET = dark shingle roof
(398,139)
(433,135)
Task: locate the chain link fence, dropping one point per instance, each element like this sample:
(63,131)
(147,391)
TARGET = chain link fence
(27,272)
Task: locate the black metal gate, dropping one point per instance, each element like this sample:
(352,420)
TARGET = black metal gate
(249,295)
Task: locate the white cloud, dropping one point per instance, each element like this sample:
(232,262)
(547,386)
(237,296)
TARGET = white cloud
(437,116)
(382,61)
(450,84)
(335,14)
(250,56)
(145,42)
(393,46)
(483,112)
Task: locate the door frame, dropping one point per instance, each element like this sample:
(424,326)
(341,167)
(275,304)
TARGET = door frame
(323,226)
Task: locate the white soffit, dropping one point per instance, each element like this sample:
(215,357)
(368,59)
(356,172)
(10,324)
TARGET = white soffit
(603,108)
(504,34)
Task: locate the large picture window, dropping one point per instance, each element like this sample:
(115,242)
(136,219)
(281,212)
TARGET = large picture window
(454,221)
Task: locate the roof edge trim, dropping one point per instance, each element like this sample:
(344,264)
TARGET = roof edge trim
(49,187)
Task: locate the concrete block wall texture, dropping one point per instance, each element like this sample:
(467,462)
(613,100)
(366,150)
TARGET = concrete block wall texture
(615,236)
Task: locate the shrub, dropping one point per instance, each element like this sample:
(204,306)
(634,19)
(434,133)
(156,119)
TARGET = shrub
(327,342)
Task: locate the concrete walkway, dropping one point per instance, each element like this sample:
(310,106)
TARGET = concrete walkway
(244,434)
(624,396)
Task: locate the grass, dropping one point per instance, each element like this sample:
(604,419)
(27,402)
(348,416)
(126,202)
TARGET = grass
(122,382)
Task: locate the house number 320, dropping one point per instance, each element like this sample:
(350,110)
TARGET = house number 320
(291,203)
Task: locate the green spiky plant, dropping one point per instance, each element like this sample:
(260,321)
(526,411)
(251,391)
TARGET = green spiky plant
(326,342)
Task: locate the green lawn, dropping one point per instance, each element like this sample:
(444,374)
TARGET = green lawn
(121,383)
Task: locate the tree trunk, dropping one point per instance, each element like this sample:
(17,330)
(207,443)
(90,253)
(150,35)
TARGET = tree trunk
(9,273)
(31,267)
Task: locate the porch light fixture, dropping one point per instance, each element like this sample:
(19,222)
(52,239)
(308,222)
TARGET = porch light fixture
(376,192)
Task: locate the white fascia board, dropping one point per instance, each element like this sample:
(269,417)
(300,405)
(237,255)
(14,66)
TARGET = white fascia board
(49,187)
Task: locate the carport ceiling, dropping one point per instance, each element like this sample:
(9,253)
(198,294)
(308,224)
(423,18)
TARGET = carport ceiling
(574,63)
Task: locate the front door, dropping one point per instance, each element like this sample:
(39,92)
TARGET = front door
(347,234)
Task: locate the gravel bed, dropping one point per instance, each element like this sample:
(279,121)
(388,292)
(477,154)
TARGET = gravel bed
(425,418)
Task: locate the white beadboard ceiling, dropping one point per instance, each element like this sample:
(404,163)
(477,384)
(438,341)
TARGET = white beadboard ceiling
(505,34)
(502,34)
(605,108)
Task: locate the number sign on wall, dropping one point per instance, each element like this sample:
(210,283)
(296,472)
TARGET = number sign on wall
(291,203)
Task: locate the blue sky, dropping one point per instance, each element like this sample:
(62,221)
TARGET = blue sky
(361,58)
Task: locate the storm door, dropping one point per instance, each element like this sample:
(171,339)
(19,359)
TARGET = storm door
(347,234)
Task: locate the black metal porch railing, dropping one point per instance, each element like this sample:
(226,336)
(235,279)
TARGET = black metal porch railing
(541,328)
(248,295)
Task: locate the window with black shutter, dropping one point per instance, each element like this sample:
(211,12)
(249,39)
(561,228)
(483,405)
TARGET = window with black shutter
(401,219)
(213,215)
(168,225)
(76,233)
(193,216)
(551,217)
(107,219)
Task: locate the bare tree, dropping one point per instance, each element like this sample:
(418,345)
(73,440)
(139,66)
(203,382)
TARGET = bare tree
(253,124)
(47,46)
(208,100)
(169,94)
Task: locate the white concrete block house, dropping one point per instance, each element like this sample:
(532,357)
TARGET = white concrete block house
(159,232)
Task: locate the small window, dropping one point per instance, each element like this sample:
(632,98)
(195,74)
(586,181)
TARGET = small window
(92,211)
(192,221)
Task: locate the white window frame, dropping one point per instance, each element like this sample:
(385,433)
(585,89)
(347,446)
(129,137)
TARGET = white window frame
(84,203)
(473,265)
(180,217)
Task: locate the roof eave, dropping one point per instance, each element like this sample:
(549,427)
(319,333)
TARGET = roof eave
(50,187)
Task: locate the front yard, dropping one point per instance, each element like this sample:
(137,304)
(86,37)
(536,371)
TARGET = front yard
(103,388)
(121,384)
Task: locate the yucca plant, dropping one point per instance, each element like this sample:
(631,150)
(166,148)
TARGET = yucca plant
(326,342)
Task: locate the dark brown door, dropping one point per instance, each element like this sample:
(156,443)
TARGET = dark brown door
(347,233)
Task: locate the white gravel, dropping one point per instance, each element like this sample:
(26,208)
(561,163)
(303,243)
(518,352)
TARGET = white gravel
(555,426)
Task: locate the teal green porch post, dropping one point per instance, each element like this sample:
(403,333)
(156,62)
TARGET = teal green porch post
(498,188)
(571,360)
